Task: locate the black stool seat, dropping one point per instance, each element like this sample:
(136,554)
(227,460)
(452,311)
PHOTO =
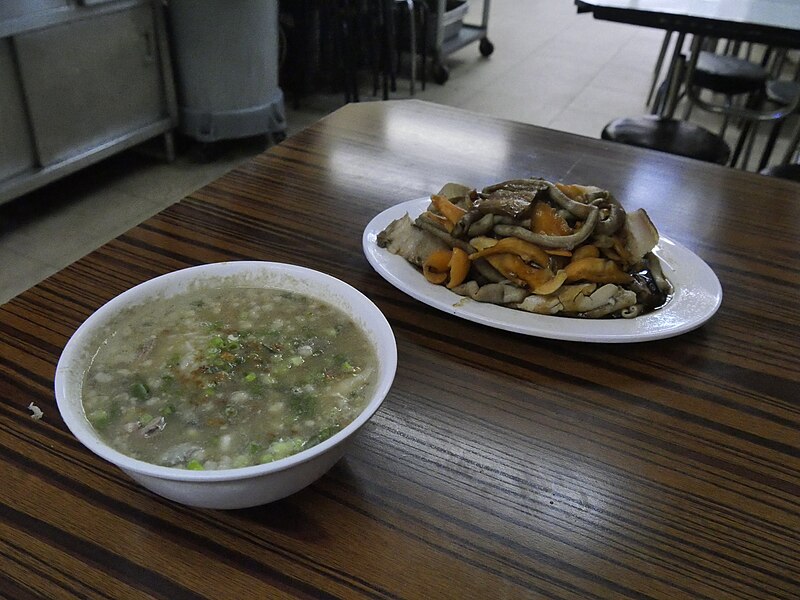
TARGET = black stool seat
(728,74)
(782,91)
(668,135)
(783,171)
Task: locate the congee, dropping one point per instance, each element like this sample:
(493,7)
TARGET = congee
(223,378)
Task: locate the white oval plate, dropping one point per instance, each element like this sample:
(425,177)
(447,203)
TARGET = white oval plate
(697,296)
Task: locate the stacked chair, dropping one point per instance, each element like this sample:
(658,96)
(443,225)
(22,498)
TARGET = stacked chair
(737,89)
(668,135)
(660,130)
(782,92)
(333,40)
(743,85)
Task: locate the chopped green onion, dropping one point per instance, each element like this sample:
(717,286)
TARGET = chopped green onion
(139,391)
(303,405)
(98,418)
(323,435)
(240,461)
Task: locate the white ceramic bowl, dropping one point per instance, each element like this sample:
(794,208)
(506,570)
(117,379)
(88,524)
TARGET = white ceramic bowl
(246,486)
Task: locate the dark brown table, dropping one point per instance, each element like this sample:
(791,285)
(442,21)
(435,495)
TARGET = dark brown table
(500,465)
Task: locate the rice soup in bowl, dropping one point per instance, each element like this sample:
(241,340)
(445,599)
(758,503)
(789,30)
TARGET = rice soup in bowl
(248,389)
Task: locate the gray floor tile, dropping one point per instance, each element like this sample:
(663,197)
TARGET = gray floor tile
(580,121)
(620,101)
(19,272)
(518,107)
(59,237)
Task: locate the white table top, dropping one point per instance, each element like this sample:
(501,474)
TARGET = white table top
(747,18)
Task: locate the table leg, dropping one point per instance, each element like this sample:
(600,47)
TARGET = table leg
(674,78)
(657,69)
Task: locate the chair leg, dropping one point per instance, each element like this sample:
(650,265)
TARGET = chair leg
(792,149)
(391,40)
(423,19)
(770,145)
(372,25)
(412,43)
(332,16)
(351,41)
(743,135)
(687,111)
(725,116)
(749,147)
(385,60)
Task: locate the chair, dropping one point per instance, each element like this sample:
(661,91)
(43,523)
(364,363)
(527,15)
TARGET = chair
(727,75)
(782,92)
(334,39)
(397,37)
(320,42)
(411,18)
(660,131)
(668,135)
(732,77)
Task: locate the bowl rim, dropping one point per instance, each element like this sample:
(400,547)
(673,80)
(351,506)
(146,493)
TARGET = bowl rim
(74,417)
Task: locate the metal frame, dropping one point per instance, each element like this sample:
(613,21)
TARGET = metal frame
(468,33)
(33,178)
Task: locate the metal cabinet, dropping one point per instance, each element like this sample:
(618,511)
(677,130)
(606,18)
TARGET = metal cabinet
(79,84)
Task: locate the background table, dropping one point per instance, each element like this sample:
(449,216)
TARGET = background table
(771,22)
(500,466)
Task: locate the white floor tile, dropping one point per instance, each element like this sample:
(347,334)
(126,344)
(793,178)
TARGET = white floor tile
(19,272)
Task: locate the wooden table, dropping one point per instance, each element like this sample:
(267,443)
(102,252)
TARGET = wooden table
(500,465)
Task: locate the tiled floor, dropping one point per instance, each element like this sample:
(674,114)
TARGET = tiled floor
(551,67)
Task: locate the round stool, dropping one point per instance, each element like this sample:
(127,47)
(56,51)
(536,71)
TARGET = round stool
(668,135)
(728,75)
(782,93)
(783,171)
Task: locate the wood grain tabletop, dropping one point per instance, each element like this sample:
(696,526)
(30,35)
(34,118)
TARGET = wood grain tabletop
(500,465)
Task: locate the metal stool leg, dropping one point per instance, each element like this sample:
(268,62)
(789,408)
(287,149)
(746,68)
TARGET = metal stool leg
(687,110)
(790,152)
(770,145)
(750,143)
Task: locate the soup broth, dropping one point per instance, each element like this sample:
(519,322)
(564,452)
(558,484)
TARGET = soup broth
(224,378)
